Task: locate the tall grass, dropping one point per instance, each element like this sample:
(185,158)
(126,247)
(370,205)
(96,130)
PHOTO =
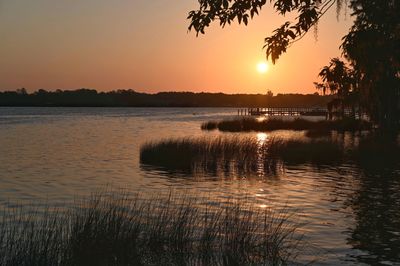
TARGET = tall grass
(124,230)
(217,155)
(318,152)
(252,124)
(227,155)
(235,155)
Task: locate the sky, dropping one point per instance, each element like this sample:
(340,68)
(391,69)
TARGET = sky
(145,45)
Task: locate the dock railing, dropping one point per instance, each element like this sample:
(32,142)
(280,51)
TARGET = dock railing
(297,111)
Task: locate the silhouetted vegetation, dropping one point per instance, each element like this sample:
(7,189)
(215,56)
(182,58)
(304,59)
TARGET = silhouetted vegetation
(252,124)
(234,155)
(317,152)
(226,12)
(121,229)
(218,156)
(124,98)
(370,82)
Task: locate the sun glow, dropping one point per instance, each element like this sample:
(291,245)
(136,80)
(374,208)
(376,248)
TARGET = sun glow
(262,138)
(262,67)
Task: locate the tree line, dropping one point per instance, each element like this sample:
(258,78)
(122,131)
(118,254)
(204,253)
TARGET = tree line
(131,98)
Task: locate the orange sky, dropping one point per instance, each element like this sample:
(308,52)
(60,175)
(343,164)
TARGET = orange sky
(144,45)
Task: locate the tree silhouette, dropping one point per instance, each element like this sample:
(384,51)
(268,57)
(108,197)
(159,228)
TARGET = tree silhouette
(123,98)
(339,79)
(228,11)
(371,46)
(373,49)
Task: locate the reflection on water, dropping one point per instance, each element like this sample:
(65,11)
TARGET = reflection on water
(376,206)
(261,169)
(262,137)
(52,155)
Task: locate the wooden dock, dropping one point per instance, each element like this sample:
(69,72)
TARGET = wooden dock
(283,111)
(300,111)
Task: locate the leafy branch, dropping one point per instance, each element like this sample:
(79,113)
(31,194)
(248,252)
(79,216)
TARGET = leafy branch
(228,11)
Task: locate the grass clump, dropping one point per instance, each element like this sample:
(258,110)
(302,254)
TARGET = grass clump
(233,155)
(247,156)
(124,230)
(210,125)
(252,124)
(314,151)
(214,155)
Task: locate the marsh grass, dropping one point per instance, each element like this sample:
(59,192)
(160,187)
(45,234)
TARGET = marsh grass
(25,240)
(317,152)
(233,155)
(246,156)
(125,230)
(252,124)
(217,155)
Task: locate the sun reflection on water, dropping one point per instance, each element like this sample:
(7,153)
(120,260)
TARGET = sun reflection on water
(261,118)
(262,138)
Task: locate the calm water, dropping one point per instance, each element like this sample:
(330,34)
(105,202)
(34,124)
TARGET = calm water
(52,155)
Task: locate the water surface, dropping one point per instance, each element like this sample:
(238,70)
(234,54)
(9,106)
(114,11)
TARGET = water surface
(52,155)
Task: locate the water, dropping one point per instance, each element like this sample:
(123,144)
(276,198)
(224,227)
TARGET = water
(53,155)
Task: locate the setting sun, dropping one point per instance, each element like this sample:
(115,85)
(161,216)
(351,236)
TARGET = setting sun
(262,67)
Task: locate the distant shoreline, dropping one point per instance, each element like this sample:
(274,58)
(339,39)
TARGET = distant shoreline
(131,98)
(143,106)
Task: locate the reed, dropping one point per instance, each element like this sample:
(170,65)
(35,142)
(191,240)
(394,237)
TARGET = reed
(233,155)
(252,124)
(215,155)
(119,229)
(318,152)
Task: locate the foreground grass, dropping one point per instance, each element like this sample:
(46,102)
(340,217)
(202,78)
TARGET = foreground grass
(121,230)
(252,124)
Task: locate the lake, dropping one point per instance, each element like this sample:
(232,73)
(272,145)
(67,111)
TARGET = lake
(54,155)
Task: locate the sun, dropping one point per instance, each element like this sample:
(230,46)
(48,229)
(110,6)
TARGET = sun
(262,67)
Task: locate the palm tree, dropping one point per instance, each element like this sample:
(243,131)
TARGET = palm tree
(339,80)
